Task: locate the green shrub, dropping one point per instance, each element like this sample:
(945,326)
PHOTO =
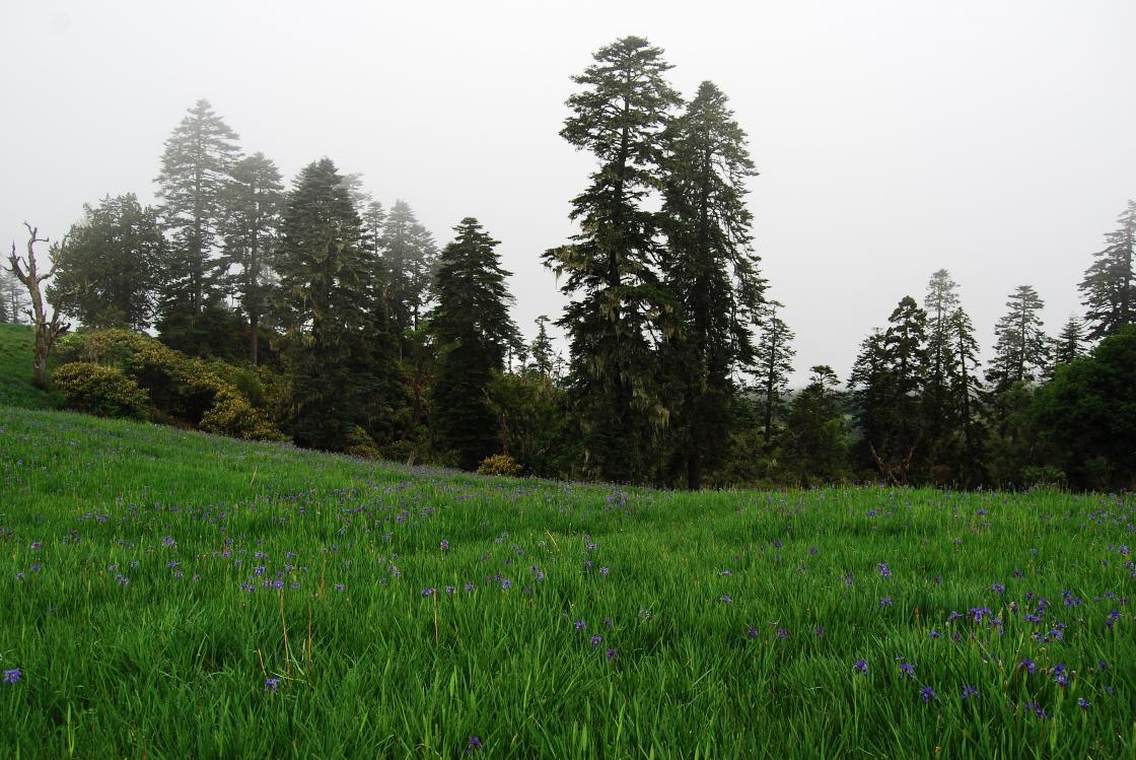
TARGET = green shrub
(499,464)
(361,444)
(181,389)
(101,390)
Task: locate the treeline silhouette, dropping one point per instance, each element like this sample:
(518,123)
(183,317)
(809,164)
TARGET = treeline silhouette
(323,316)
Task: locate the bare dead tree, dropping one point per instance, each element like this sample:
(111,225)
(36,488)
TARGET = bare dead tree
(46,330)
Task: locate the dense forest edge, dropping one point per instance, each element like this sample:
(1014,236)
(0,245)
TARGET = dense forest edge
(316,314)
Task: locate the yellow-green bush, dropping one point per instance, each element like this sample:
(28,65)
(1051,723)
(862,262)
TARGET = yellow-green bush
(101,390)
(499,464)
(361,444)
(181,388)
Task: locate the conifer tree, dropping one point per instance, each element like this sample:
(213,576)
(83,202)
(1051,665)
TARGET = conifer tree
(608,269)
(888,379)
(940,303)
(815,446)
(108,271)
(541,348)
(773,363)
(196,165)
(965,395)
(254,202)
(473,331)
(1021,351)
(1070,344)
(409,256)
(1109,285)
(711,272)
(344,375)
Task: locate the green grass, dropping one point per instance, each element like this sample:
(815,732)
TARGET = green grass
(16,389)
(172,662)
(138,563)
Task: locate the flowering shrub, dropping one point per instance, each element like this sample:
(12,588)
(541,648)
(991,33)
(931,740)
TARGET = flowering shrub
(99,390)
(180,388)
(499,464)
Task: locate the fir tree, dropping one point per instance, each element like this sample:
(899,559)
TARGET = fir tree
(1070,344)
(940,303)
(1021,351)
(965,397)
(473,330)
(888,380)
(254,200)
(108,271)
(344,377)
(541,348)
(773,363)
(608,269)
(409,255)
(711,271)
(1109,285)
(815,446)
(196,164)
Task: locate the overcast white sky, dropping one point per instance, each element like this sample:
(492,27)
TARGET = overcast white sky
(995,138)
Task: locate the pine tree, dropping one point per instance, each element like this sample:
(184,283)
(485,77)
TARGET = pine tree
(710,270)
(773,363)
(14,302)
(1109,285)
(1021,351)
(108,271)
(608,269)
(541,348)
(196,166)
(473,330)
(254,200)
(888,380)
(815,446)
(1070,344)
(965,397)
(940,302)
(344,375)
(410,256)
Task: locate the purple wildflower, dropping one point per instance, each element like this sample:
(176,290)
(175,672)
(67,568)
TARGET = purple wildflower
(885,601)
(428,591)
(782,633)
(969,691)
(444,545)
(907,669)
(927,694)
(1029,665)
(819,630)
(581,624)
(597,640)
(271,684)
(727,598)
(934,634)
(604,571)
(13,675)
(169,541)
(612,653)
(450,590)
(1083,703)
(885,570)
(468,586)
(474,744)
(751,632)
(506,584)
(861,666)
(998,588)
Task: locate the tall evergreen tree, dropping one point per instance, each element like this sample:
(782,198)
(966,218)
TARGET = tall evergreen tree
(473,330)
(541,348)
(710,269)
(410,257)
(940,303)
(619,115)
(965,398)
(196,166)
(773,363)
(255,201)
(815,447)
(14,302)
(1109,285)
(344,376)
(888,379)
(108,271)
(1070,344)
(1021,351)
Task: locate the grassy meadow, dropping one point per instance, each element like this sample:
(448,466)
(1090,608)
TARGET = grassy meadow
(168,594)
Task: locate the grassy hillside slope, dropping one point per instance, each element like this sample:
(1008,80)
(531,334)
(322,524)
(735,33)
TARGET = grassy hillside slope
(16,389)
(172,594)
